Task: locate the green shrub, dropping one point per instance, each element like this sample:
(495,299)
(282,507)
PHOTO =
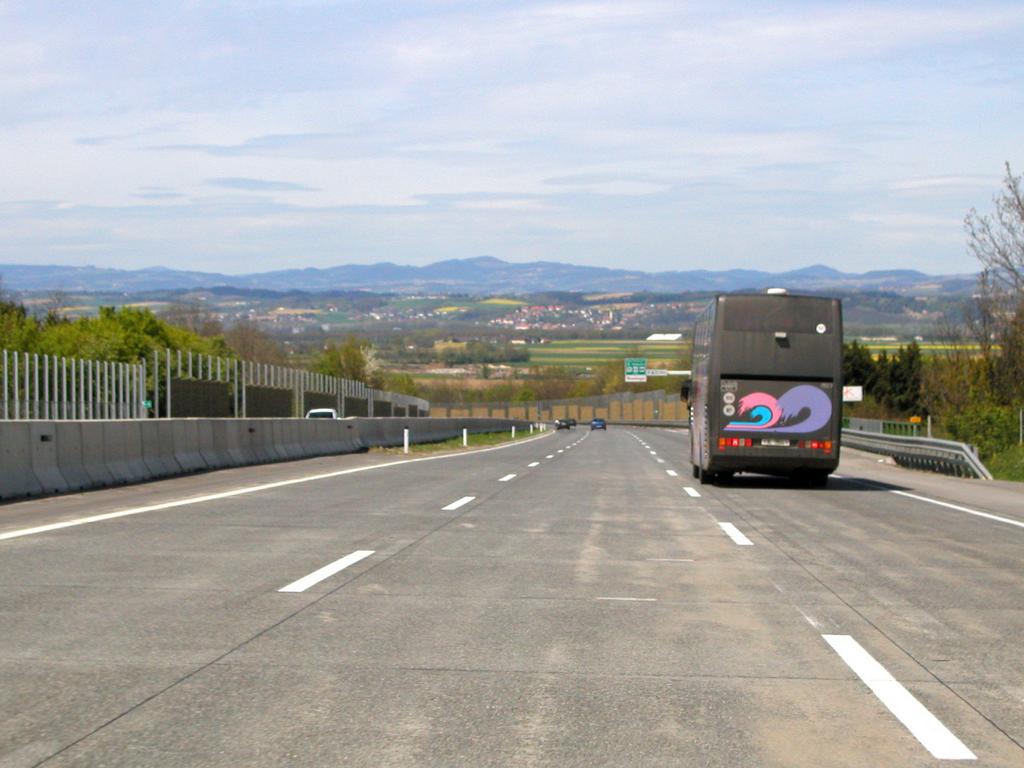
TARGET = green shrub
(993,428)
(1008,465)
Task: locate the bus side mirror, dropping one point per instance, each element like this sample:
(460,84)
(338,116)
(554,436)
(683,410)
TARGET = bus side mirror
(684,393)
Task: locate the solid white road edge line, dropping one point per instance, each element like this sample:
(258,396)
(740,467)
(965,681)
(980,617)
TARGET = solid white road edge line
(948,505)
(692,492)
(506,478)
(671,473)
(458,503)
(926,728)
(735,534)
(249,489)
(958,508)
(327,571)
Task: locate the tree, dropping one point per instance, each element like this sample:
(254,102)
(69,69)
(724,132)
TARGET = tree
(353,359)
(402,383)
(194,317)
(997,241)
(53,308)
(905,380)
(250,342)
(858,367)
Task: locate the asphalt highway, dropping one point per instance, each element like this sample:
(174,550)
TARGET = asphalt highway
(575,599)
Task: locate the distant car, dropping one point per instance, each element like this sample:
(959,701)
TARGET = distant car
(322,413)
(572,423)
(599,424)
(562,423)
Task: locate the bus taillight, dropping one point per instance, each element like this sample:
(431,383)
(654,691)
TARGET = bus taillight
(816,445)
(734,442)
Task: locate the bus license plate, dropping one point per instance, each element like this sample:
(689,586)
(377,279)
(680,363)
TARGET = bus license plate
(775,443)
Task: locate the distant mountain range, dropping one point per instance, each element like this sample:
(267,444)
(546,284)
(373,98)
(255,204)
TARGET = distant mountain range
(480,275)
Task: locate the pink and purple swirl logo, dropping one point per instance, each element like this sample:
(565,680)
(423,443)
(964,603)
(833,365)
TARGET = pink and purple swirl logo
(801,409)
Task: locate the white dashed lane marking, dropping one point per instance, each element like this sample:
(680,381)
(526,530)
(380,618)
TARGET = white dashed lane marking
(671,473)
(926,728)
(692,492)
(506,478)
(631,599)
(735,534)
(458,503)
(327,571)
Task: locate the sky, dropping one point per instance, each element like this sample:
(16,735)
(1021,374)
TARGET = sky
(250,135)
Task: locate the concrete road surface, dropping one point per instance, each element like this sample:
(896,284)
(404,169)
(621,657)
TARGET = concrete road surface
(573,600)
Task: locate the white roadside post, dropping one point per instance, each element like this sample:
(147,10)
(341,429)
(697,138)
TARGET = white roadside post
(513,431)
(465,437)
(531,428)
(405,440)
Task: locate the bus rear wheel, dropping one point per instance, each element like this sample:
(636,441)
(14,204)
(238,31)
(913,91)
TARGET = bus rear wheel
(816,479)
(812,478)
(705,477)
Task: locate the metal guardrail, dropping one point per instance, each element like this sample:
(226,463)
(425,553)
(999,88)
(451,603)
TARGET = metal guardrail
(882,426)
(946,456)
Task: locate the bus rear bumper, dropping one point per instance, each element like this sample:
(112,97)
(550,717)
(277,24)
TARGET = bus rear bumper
(773,465)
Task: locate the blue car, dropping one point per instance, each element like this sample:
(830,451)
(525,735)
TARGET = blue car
(599,424)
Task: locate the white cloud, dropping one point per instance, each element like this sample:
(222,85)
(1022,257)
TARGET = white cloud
(929,183)
(908,220)
(662,130)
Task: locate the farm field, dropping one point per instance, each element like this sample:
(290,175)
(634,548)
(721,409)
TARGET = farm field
(926,347)
(581,353)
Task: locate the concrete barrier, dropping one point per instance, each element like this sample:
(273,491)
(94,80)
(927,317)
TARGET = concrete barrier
(185,434)
(158,448)
(16,476)
(260,440)
(113,447)
(70,458)
(132,431)
(237,448)
(224,454)
(94,454)
(286,438)
(343,437)
(371,431)
(41,457)
(43,438)
(212,457)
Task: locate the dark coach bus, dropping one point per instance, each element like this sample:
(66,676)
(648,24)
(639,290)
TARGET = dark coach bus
(766,390)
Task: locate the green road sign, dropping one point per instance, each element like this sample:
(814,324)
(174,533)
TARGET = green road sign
(148,403)
(636,369)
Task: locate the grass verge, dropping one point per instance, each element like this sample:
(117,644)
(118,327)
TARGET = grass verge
(1008,464)
(455,444)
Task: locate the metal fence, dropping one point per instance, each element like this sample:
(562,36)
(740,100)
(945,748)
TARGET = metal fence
(181,383)
(654,405)
(55,387)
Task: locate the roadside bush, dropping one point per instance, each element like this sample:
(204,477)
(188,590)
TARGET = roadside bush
(1008,464)
(993,428)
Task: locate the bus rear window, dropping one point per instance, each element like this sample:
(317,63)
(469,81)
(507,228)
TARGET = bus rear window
(767,314)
